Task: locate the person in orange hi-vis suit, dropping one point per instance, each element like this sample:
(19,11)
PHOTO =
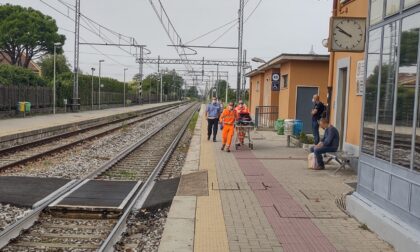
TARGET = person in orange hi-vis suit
(227,119)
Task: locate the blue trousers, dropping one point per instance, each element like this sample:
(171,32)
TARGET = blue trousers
(315,131)
(319,151)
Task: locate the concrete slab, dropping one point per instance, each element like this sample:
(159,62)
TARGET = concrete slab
(178,236)
(97,195)
(194,184)
(162,193)
(26,191)
(183,207)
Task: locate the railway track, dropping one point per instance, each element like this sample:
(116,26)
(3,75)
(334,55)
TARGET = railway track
(21,154)
(85,231)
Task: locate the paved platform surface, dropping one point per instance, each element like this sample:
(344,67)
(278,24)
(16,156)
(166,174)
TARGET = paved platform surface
(20,125)
(264,200)
(100,194)
(26,191)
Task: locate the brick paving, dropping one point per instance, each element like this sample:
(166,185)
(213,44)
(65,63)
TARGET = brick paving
(246,224)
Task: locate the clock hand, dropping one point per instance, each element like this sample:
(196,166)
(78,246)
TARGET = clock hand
(343,31)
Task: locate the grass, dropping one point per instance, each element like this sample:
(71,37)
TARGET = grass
(193,122)
(364,227)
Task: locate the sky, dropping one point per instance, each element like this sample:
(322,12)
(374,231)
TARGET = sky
(275,27)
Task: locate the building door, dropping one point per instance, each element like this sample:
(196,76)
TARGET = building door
(304,106)
(341,104)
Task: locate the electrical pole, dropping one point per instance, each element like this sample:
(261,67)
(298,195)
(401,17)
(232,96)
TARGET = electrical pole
(217,82)
(140,85)
(243,77)
(240,40)
(75,103)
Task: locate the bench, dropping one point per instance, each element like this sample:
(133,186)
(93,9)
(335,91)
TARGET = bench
(341,157)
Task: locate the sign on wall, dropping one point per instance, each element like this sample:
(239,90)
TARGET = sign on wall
(360,77)
(275,82)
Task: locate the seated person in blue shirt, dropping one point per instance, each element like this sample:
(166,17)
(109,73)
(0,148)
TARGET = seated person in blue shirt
(329,143)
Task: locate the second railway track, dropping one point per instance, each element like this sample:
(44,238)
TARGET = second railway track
(84,231)
(21,154)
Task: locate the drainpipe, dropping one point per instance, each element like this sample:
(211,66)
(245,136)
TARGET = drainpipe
(331,67)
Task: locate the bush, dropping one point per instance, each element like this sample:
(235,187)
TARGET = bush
(14,75)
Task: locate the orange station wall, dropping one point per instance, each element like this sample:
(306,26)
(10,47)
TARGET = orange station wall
(309,74)
(357,8)
(257,92)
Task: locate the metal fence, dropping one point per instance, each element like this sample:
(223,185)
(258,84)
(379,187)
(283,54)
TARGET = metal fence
(266,116)
(41,99)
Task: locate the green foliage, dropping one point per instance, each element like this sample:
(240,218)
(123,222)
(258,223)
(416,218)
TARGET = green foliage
(25,31)
(47,66)
(409,47)
(192,92)
(13,75)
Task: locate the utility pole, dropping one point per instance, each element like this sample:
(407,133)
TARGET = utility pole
(243,77)
(217,81)
(91,92)
(125,69)
(240,44)
(75,103)
(140,85)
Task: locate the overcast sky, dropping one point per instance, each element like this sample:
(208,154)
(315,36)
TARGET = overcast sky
(277,26)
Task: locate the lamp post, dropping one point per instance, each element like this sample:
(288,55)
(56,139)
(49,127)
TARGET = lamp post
(91,92)
(258,60)
(54,89)
(125,69)
(99,90)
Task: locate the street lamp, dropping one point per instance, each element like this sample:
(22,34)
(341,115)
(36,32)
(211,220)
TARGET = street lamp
(258,60)
(125,69)
(91,93)
(99,90)
(54,89)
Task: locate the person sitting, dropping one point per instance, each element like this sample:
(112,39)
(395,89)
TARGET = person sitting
(329,143)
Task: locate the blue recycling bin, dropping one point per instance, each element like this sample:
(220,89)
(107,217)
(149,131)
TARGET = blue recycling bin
(298,127)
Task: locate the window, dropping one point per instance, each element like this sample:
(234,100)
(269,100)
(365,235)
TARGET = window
(257,88)
(376,11)
(386,90)
(409,3)
(392,7)
(284,81)
(407,75)
(371,93)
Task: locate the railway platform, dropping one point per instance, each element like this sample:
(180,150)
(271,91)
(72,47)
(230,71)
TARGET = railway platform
(23,130)
(261,200)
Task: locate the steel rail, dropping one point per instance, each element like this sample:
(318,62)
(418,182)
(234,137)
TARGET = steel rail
(12,231)
(67,134)
(150,114)
(138,201)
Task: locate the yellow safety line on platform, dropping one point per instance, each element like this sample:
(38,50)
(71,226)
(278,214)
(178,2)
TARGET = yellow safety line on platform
(210,229)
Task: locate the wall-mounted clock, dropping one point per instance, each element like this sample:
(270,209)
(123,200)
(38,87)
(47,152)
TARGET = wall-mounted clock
(347,34)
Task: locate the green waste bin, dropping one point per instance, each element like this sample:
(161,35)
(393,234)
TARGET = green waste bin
(27,107)
(279,126)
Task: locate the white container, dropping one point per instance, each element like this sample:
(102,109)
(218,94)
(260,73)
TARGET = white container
(288,126)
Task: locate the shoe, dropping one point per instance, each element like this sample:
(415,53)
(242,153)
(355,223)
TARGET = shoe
(208,138)
(319,168)
(214,140)
(227,150)
(223,147)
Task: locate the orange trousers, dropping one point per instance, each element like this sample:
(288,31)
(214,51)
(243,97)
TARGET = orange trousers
(227,134)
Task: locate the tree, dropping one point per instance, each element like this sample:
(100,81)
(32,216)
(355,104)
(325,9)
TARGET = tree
(192,92)
(27,34)
(47,65)
(13,75)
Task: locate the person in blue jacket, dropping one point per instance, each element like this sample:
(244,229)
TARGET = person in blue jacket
(329,143)
(213,112)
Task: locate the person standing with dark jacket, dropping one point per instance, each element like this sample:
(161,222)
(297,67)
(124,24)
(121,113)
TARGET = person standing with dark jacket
(212,115)
(317,112)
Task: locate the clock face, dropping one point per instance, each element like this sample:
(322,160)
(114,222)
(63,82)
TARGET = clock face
(348,34)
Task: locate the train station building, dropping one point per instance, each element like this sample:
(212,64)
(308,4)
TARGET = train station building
(284,87)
